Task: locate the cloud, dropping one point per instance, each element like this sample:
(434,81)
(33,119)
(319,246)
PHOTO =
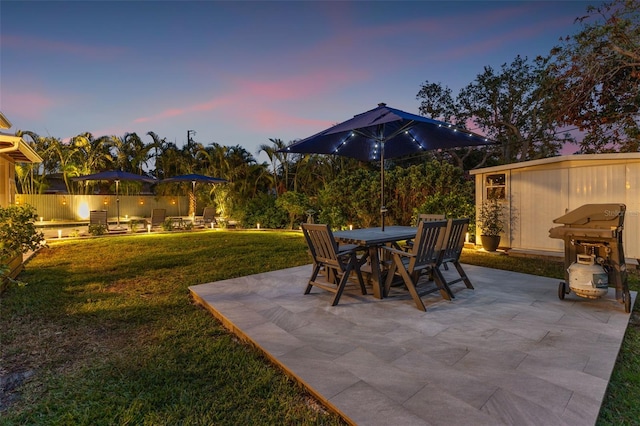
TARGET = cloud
(28,105)
(256,103)
(37,45)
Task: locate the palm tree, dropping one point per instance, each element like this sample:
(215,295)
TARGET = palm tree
(29,175)
(157,146)
(88,155)
(276,157)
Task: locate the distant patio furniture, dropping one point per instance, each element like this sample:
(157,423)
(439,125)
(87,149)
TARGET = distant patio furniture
(337,263)
(158,216)
(422,259)
(98,218)
(451,251)
(209,217)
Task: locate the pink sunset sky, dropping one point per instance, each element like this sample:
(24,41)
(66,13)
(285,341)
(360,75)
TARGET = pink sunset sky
(239,73)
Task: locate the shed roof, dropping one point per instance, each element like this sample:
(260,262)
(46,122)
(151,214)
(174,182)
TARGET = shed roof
(563,158)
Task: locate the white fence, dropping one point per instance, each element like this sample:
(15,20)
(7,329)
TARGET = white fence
(76,208)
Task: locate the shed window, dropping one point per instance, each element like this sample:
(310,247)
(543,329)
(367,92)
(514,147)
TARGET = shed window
(496,186)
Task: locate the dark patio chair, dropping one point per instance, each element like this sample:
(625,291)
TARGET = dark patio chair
(337,263)
(421,260)
(451,251)
(425,217)
(158,216)
(98,217)
(209,216)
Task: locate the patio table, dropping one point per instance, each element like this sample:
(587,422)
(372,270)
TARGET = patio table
(373,239)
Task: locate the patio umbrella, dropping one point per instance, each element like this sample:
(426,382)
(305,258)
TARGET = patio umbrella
(116,176)
(193,178)
(386,132)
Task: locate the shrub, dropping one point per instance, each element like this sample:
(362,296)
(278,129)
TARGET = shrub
(18,233)
(167,225)
(453,205)
(295,204)
(491,218)
(97,229)
(264,210)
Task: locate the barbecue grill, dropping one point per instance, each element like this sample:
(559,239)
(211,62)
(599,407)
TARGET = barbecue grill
(593,231)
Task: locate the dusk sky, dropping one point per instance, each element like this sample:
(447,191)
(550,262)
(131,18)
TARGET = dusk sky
(239,73)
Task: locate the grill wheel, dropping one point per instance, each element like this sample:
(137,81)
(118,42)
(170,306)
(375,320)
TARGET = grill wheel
(562,290)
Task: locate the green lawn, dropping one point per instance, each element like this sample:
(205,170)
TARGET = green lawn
(107,334)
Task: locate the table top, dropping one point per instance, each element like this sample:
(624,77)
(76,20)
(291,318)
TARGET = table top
(375,236)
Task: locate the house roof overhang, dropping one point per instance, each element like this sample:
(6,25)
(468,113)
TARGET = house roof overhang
(17,150)
(4,122)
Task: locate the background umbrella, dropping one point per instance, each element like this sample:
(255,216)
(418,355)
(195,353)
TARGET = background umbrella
(193,178)
(385,132)
(116,176)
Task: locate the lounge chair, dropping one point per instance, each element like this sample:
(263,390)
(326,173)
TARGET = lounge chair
(158,216)
(338,263)
(98,217)
(209,217)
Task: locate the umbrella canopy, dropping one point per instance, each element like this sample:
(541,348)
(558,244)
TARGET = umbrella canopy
(193,178)
(386,132)
(115,176)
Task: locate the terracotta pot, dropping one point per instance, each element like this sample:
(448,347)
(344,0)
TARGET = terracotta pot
(490,242)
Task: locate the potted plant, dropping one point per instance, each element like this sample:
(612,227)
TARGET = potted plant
(18,235)
(491,224)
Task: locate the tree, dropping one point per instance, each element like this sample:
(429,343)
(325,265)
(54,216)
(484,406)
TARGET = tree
(598,78)
(295,204)
(437,102)
(275,157)
(513,106)
(87,155)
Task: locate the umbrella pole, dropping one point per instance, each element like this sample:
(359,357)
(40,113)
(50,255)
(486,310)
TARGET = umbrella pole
(117,205)
(193,200)
(383,209)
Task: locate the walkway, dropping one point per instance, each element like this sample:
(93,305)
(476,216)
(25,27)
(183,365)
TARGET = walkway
(509,352)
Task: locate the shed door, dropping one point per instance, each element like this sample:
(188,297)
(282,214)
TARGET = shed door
(538,197)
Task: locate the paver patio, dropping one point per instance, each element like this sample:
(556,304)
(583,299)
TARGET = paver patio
(509,352)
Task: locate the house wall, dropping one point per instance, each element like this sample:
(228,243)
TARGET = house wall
(538,192)
(4,183)
(7,181)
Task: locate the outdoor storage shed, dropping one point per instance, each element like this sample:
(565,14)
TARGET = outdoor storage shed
(536,192)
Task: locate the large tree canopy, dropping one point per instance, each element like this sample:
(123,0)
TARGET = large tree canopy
(510,105)
(598,78)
